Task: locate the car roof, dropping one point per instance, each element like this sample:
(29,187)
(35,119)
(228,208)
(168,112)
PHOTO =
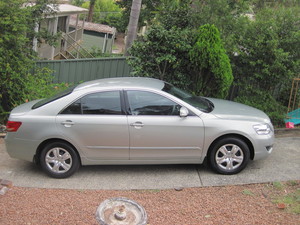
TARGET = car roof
(124,82)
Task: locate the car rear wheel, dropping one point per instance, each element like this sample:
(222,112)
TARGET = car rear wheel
(59,160)
(229,156)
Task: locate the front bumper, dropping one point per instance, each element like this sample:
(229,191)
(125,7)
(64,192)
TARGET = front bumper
(263,146)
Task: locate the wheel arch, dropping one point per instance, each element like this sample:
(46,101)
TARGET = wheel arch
(243,138)
(36,158)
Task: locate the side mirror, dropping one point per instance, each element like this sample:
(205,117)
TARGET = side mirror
(184,112)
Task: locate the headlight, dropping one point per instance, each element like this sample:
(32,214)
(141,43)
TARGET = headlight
(262,129)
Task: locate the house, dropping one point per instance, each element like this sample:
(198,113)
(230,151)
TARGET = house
(96,36)
(69,40)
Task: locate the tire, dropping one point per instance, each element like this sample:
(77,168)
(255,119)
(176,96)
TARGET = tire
(59,160)
(229,156)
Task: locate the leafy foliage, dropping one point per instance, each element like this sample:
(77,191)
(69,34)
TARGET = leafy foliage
(213,74)
(16,54)
(77,2)
(106,12)
(227,15)
(162,54)
(148,12)
(174,13)
(173,51)
(42,78)
(261,39)
(267,60)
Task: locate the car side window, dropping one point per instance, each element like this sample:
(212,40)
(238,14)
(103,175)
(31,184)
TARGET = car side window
(74,108)
(101,103)
(148,103)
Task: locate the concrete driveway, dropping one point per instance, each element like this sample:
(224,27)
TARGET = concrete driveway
(282,165)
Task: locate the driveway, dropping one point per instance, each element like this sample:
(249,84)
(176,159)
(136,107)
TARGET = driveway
(282,165)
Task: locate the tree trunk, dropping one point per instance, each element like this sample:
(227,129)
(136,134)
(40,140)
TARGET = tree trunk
(91,11)
(133,24)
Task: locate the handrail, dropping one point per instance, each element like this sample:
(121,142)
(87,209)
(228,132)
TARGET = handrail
(76,43)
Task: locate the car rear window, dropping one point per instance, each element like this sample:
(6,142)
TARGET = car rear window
(59,95)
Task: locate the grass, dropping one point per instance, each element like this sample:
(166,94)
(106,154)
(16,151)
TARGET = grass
(292,183)
(278,185)
(115,47)
(286,196)
(248,192)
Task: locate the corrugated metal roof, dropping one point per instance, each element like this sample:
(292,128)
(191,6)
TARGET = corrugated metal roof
(101,28)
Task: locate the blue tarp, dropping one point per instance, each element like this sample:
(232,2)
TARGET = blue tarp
(294,117)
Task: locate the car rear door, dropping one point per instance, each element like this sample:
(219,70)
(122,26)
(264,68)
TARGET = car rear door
(96,125)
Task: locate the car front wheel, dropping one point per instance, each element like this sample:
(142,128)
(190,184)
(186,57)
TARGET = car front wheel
(59,160)
(229,156)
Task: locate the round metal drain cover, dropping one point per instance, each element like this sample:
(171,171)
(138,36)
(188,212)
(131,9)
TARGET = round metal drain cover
(121,211)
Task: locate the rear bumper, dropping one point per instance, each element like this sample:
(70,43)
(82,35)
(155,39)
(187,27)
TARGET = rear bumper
(20,148)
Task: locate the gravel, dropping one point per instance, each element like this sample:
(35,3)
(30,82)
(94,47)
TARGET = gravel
(244,204)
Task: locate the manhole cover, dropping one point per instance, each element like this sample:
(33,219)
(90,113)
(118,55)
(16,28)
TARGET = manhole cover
(121,211)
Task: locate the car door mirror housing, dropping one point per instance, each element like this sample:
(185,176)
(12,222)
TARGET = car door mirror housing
(184,112)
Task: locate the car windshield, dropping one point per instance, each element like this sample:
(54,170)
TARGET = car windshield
(53,98)
(200,103)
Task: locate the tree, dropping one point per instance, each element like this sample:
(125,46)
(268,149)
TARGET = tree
(16,54)
(133,24)
(13,49)
(171,50)
(174,13)
(163,54)
(227,15)
(77,2)
(212,69)
(267,60)
(91,10)
(106,12)
(263,4)
(147,13)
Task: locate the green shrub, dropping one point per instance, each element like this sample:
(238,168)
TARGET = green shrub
(36,85)
(163,54)
(212,70)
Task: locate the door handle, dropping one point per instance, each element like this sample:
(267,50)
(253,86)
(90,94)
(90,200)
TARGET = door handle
(67,123)
(137,124)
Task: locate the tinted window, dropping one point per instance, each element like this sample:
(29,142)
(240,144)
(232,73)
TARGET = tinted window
(148,103)
(199,102)
(102,103)
(74,108)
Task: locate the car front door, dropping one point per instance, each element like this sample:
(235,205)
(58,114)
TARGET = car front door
(158,133)
(96,124)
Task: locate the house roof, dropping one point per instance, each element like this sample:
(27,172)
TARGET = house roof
(66,9)
(100,28)
(62,9)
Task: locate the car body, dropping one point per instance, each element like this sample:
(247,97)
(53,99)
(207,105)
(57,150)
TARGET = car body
(135,120)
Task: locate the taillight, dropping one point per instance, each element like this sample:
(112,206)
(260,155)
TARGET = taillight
(13,126)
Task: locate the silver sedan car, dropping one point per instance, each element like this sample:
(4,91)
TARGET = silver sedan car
(136,121)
